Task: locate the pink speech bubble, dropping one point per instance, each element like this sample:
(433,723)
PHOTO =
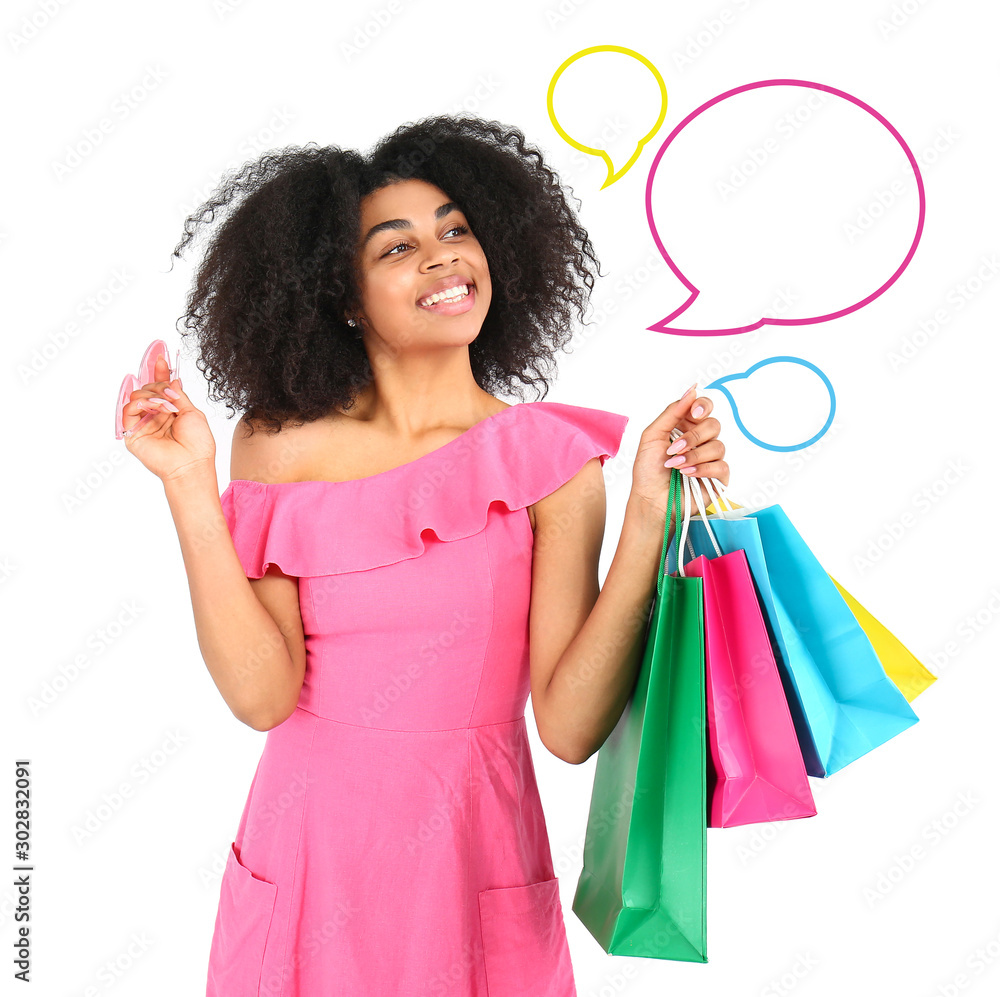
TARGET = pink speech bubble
(664,324)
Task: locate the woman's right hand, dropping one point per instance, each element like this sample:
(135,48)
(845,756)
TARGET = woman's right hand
(170,444)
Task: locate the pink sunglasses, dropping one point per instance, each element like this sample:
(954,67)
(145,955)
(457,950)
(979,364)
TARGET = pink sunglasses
(147,374)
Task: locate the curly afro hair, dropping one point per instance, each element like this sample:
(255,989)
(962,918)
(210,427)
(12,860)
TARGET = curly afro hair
(270,298)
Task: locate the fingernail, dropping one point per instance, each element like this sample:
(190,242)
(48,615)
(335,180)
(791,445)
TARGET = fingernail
(170,393)
(689,390)
(688,470)
(677,446)
(169,406)
(698,411)
(675,461)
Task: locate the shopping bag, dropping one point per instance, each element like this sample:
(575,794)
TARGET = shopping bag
(642,890)
(744,534)
(850,704)
(756,772)
(900,664)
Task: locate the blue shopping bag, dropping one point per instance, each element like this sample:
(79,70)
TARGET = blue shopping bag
(842,702)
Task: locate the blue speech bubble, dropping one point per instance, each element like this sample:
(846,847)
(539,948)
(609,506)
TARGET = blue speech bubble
(720,383)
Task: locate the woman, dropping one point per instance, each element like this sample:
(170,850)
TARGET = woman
(400,557)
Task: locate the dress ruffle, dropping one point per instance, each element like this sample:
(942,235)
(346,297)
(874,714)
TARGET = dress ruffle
(515,457)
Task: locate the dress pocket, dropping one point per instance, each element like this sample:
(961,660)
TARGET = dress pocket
(246,904)
(524,941)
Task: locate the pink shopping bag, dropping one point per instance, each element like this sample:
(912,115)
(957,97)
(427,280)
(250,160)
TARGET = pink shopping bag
(755,768)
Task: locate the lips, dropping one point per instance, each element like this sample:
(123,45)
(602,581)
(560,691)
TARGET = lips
(451,306)
(455,280)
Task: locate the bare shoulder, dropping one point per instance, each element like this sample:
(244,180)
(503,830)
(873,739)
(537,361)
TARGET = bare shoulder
(268,456)
(337,447)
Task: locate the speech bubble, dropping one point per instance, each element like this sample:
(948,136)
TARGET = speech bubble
(613,174)
(720,384)
(782,200)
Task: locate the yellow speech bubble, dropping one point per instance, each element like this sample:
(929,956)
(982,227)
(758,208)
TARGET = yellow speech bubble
(612,175)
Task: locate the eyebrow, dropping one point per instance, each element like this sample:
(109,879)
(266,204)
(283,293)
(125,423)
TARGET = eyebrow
(396,223)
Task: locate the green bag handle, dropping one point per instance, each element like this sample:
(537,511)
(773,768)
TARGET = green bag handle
(673,497)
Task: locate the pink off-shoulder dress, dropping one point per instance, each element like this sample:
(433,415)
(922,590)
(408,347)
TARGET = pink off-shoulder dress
(393,840)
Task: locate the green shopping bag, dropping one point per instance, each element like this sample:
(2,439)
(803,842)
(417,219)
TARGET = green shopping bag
(642,890)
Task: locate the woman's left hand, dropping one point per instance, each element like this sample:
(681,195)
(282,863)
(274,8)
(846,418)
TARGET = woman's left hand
(701,449)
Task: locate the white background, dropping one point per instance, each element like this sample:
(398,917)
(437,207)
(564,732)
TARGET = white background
(904,473)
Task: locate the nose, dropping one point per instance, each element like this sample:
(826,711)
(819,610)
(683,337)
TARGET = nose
(440,256)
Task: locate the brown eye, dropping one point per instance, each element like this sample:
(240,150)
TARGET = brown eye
(460,229)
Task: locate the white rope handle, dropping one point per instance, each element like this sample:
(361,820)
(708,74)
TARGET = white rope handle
(695,492)
(721,493)
(715,489)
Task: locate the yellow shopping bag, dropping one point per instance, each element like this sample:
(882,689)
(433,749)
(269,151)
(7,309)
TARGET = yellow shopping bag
(902,667)
(905,671)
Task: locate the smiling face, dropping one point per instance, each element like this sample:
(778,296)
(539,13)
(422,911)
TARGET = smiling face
(416,242)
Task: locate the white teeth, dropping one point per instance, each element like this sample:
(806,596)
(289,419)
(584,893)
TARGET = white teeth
(448,295)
